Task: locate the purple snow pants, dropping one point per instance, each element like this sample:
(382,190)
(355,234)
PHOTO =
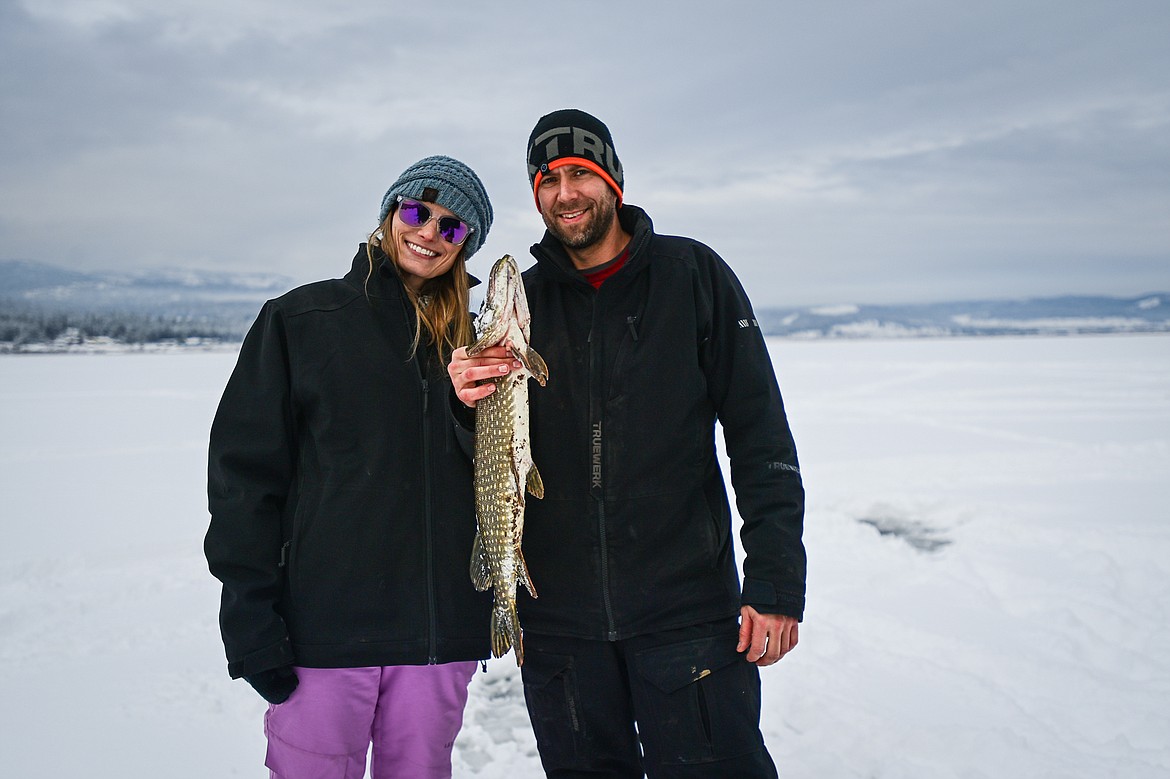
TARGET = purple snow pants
(411,714)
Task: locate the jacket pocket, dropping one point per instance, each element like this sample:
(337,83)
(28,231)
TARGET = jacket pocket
(308,500)
(718,522)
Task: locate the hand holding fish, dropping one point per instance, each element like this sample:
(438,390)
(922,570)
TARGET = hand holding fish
(474,377)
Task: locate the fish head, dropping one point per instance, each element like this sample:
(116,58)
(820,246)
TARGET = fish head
(500,300)
(505,275)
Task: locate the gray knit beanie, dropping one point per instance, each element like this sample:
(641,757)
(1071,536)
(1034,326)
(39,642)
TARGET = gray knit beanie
(452,185)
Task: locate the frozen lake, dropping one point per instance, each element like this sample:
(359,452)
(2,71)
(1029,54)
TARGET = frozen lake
(989,588)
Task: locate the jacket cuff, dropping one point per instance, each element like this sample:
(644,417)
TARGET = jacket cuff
(265,659)
(762,596)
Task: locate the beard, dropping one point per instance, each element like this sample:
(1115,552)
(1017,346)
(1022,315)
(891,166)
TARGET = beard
(595,227)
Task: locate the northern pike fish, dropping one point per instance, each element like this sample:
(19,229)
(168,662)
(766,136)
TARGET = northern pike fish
(503,456)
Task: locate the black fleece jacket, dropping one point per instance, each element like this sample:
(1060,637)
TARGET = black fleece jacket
(634,532)
(341,504)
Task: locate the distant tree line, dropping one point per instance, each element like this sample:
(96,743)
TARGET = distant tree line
(22,327)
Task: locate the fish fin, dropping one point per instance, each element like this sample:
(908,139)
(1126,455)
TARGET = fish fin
(535,365)
(499,632)
(493,333)
(534,483)
(481,575)
(522,573)
(518,645)
(490,338)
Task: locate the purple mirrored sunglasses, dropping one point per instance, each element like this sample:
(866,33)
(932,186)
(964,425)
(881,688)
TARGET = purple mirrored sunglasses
(416,214)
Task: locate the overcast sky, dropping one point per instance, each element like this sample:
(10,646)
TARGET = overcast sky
(831,152)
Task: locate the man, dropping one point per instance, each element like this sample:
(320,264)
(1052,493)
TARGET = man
(648,338)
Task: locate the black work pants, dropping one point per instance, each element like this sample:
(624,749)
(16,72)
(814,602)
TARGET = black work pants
(680,704)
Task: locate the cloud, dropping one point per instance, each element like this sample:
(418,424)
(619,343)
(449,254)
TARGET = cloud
(871,153)
(207,24)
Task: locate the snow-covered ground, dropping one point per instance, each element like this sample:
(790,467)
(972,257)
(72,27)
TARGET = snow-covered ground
(989,581)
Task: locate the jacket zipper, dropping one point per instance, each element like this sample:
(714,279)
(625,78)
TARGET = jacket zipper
(432,620)
(420,365)
(596,394)
(612,633)
(598,485)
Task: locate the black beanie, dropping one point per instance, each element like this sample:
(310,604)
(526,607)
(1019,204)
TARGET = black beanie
(572,137)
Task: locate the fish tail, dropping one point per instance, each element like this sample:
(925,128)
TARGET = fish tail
(506,632)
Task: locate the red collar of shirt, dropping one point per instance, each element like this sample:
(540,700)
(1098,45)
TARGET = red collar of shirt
(597,275)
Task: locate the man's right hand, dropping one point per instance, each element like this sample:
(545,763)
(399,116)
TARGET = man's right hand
(472,376)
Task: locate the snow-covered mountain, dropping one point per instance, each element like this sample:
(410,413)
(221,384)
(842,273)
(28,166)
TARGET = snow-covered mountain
(221,305)
(1067,315)
(49,308)
(163,290)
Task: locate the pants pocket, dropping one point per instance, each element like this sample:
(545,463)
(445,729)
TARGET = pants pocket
(288,761)
(697,701)
(550,692)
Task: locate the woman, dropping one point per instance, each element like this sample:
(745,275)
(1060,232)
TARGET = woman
(341,506)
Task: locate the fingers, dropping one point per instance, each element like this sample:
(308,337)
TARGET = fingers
(758,651)
(472,376)
(470,396)
(793,636)
(745,634)
(753,635)
(766,637)
(779,640)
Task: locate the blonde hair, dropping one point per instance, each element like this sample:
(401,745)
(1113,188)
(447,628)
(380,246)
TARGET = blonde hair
(440,305)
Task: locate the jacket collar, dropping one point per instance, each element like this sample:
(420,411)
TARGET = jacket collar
(550,254)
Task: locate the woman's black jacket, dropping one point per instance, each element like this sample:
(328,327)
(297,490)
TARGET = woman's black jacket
(341,504)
